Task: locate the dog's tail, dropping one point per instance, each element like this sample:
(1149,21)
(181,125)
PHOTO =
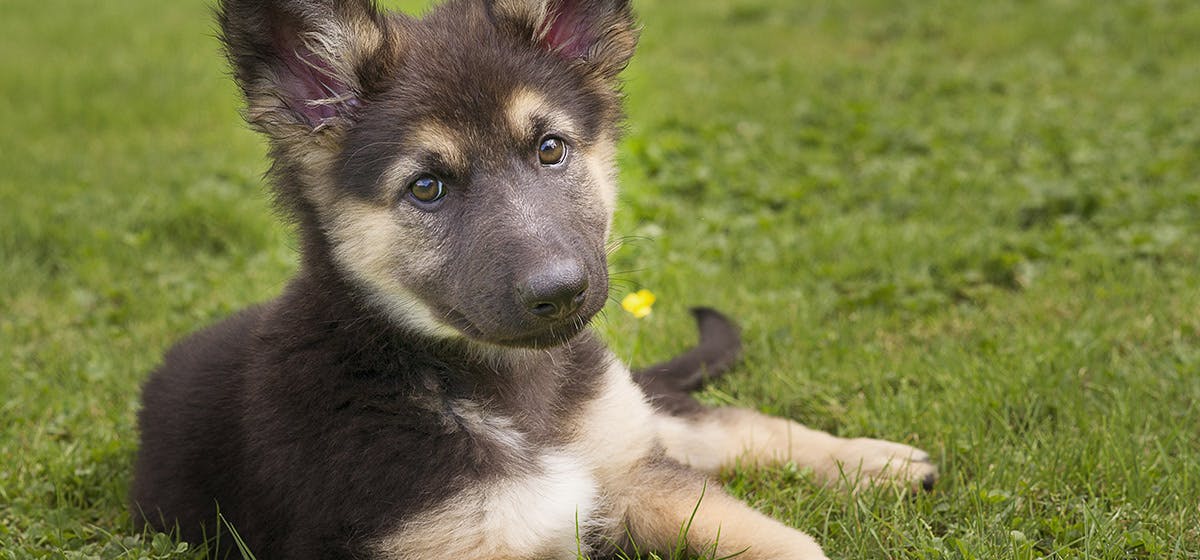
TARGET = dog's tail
(669,383)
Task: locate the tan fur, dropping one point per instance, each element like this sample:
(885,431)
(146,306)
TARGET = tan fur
(524,105)
(532,516)
(363,232)
(616,430)
(430,137)
(727,436)
(363,237)
(666,502)
(267,113)
(435,137)
(344,41)
(620,434)
(601,165)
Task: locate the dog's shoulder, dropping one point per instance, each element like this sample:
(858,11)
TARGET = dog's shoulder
(194,392)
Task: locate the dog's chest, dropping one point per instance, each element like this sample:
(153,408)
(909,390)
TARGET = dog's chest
(549,495)
(546,502)
(547,511)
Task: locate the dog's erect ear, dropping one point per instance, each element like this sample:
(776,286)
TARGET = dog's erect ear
(601,34)
(305,65)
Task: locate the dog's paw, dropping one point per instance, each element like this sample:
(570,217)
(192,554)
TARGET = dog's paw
(864,462)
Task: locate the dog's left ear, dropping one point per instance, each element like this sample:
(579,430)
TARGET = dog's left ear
(599,34)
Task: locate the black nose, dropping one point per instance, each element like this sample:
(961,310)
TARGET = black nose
(556,290)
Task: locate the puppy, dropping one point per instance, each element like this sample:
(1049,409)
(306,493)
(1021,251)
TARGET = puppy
(426,386)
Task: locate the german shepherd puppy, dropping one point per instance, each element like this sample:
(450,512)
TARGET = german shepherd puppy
(426,386)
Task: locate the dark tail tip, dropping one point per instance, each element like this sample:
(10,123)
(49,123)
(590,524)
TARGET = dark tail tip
(718,350)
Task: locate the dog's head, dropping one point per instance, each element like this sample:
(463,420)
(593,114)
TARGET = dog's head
(458,169)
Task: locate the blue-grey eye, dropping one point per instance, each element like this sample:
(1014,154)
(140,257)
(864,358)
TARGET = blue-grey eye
(427,188)
(552,150)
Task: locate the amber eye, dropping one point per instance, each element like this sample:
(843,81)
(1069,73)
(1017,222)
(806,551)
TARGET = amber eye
(427,189)
(552,150)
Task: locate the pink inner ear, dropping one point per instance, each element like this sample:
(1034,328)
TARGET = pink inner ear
(309,86)
(569,33)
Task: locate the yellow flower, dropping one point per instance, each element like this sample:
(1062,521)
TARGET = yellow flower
(638,303)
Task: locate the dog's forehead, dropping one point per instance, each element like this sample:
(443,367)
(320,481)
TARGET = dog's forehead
(465,94)
(460,69)
(489,93)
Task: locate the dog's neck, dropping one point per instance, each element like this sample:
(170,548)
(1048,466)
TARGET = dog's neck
(362,351)
(321,306)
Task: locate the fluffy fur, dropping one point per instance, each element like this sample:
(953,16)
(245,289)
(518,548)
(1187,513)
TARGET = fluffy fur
(426,386)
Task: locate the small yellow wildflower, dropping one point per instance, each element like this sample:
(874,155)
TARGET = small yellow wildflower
(638,303)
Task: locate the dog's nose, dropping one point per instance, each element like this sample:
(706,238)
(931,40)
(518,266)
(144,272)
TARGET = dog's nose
(556,290)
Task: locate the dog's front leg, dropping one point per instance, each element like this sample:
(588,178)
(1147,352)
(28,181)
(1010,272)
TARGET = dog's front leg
(667,501)
(720,437)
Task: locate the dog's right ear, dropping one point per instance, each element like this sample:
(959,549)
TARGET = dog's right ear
(306,66)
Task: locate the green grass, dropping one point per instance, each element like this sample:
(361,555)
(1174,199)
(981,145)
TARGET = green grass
(973,227)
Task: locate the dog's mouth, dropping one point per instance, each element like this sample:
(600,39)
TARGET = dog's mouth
(552,336)
(520,297)
(532,333)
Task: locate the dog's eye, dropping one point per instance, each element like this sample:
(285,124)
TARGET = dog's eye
(427,189)
(552,150)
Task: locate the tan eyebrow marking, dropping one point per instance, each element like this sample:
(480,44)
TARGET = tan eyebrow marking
(526,105)
(430,137)
(435,137)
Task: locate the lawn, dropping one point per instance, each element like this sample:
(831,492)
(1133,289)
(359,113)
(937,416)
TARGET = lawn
(973,227)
